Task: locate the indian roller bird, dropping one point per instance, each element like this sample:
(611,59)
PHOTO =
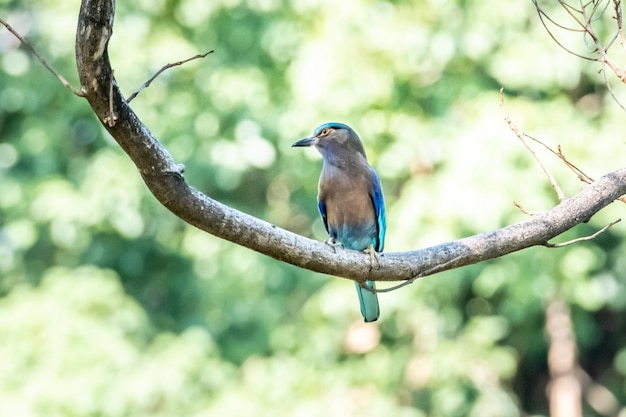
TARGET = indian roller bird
(350,200)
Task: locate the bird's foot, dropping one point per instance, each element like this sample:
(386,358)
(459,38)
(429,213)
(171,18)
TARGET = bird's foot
(333,244)
(373,257)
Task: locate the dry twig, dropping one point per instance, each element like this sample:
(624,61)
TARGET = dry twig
(41,59)
(581,239)
(582,176)
(527,212)
(520,135)
(426,272)
(112,117)
(586,17)
(559,153)
(163,68)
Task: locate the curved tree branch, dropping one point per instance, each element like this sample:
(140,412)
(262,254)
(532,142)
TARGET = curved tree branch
(165,180)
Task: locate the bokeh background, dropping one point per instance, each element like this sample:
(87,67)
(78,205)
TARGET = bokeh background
(111,306)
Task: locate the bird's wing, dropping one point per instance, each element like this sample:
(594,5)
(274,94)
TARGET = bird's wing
(376,193)
(322,208)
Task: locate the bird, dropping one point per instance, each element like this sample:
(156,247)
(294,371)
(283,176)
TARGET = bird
(350,200)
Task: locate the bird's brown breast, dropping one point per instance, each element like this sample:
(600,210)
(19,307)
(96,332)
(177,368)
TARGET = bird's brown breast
(347,199)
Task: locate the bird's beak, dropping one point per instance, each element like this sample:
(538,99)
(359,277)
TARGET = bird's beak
(304,142)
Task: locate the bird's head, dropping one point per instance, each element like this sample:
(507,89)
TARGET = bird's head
(334,140)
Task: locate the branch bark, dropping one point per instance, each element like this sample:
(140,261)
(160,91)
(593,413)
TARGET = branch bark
(165,180)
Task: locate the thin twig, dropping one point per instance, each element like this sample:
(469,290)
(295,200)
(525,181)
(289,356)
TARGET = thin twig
(521,137)
(569,9)
(559,153)
(411,280)
(395,287)
(618,19)
(610,89)
(603,50)
(581,239)
(585,21)
(579,172)
(165,67)
(621,75)
(582,176)
(523,210)
(41,59)
(543,15)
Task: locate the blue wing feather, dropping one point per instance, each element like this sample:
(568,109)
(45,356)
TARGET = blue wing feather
(322,208)
(376,194)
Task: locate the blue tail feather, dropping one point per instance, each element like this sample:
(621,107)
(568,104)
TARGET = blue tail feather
(368,301)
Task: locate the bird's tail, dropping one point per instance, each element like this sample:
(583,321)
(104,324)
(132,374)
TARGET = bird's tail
(368,301)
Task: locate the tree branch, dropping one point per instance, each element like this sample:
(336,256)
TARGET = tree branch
(165,180)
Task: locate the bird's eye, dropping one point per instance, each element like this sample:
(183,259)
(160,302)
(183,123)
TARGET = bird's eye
(324,132)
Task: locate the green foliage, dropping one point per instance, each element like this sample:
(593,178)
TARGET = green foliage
(111,306)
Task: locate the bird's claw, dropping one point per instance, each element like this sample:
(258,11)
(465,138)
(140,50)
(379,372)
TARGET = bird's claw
(373,257)
(331,242)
